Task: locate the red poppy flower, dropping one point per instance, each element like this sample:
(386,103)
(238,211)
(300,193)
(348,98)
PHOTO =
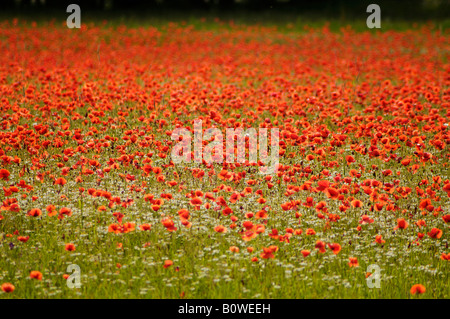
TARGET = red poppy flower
(220,229)
(70,247)
(320,245)
(353,262)
(7,287)
(335,248)
(4,174)
(417,289)
(169,224)
(401,223)
(379,240)
(35,212)
(435,233)
(23,239)
(36,275)
(145,227)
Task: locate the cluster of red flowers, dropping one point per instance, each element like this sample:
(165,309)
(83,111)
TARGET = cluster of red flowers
(363,120)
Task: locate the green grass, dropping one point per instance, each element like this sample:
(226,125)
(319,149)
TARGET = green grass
(206,267)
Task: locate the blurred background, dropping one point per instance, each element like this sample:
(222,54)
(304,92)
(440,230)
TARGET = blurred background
(327,9)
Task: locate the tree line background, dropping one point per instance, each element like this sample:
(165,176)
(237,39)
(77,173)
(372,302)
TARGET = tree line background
(410,9)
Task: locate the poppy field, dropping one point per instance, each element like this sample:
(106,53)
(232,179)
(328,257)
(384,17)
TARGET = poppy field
(359,206)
